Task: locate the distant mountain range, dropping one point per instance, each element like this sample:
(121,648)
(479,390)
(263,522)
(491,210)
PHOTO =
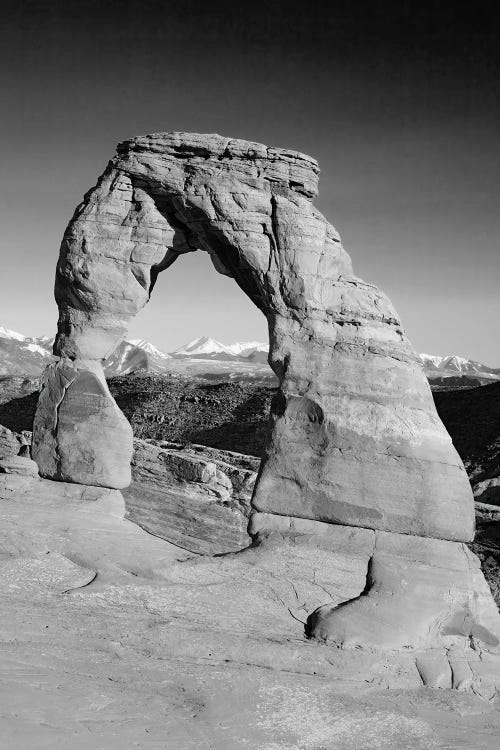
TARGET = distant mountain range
(20,355)
(453,365)
(24,356)
(206,347)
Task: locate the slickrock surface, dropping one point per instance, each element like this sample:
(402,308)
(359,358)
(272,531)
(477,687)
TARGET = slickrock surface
(116,639)
(409,580)
(355,438)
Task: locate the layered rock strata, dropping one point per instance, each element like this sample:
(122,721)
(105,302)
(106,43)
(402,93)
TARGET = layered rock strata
(191,496)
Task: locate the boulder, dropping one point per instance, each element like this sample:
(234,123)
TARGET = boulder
(10,443)
(488,491)
(194,501)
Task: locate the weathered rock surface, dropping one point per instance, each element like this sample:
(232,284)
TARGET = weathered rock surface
(79,433)
(10,443)
(488,491)
(115,638)
(191,497)
(22,465)
(416,593)
(355,438)
(419,593)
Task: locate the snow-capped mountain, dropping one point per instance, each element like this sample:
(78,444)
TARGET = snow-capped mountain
(45,341)
(452,365)
(136,355)
(431,360)
(207,347)
(6,333)
(148,347)
(24,356)
(21,355)
(203,347)
(244,348)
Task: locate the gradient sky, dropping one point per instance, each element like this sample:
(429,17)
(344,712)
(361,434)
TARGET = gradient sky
(398,101)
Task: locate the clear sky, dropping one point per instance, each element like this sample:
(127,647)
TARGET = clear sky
(397,100)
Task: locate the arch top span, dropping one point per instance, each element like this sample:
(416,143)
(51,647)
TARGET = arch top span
(249,206)
(247,159)
(354,436)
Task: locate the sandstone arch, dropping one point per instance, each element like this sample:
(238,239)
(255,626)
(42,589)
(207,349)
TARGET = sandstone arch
(355,437)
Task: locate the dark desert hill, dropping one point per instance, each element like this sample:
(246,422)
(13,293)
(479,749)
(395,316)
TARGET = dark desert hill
(234,416)
(472,417)
(227,415)
(231,416)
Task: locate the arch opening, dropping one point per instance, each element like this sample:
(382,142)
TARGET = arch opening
(195,302)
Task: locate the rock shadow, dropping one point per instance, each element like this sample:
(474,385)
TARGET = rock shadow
(245,432)
(18,413)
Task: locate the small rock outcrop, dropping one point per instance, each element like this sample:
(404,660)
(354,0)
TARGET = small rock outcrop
(190,496)
(488,491)
(10,443)
(22,465)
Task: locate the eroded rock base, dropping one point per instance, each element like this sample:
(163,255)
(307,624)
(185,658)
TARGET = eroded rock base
(413,595)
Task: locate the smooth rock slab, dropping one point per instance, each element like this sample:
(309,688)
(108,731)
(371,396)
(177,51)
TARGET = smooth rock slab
(164,650)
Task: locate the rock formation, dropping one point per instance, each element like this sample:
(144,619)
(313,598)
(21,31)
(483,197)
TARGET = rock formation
(10,443)
(79,433)
(191,496)
(354,440)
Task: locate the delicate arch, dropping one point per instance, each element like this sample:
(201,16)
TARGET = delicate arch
(355,437)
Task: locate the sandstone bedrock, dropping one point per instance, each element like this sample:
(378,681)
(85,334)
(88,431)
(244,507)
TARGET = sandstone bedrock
(355,438)
(118,639)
